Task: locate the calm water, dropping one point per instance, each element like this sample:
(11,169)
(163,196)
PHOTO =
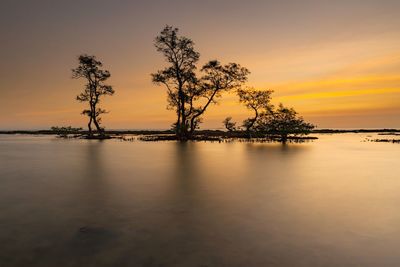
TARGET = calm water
(332,202)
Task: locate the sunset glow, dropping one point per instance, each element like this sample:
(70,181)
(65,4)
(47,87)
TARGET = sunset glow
(337,73)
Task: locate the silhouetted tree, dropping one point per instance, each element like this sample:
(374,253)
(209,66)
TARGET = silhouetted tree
(90,69)
(189,95)
(284,122)
(179,76)
(229,124)
(257,100)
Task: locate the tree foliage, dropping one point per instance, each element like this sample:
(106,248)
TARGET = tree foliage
(90,69)
(269,120)
(259,101)
(284,122)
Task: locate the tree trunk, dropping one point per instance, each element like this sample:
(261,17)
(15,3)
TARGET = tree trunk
(90,126)
(183,134)
(284,138)
(192,129)
(178,122)
(99,130)
(183,129)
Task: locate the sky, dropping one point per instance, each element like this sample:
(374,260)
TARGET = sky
(336,62)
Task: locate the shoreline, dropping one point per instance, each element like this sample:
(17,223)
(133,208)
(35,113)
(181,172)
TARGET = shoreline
(200,132)
(204,135)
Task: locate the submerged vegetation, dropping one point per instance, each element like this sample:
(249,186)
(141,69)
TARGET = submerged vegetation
(66,131)
(397,141)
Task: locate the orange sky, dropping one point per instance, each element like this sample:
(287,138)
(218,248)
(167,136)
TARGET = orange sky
(336,63)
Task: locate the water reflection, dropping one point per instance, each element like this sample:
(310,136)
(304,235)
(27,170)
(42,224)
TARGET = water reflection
(94,188)
(332,202)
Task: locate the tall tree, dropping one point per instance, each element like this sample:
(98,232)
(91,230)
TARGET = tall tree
(189,95)
(89,68)
(179,76)
(259,101)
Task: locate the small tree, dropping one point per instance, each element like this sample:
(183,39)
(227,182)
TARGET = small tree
(229,124)
(284,122)
(90,69)
(189,95)
(257,100)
